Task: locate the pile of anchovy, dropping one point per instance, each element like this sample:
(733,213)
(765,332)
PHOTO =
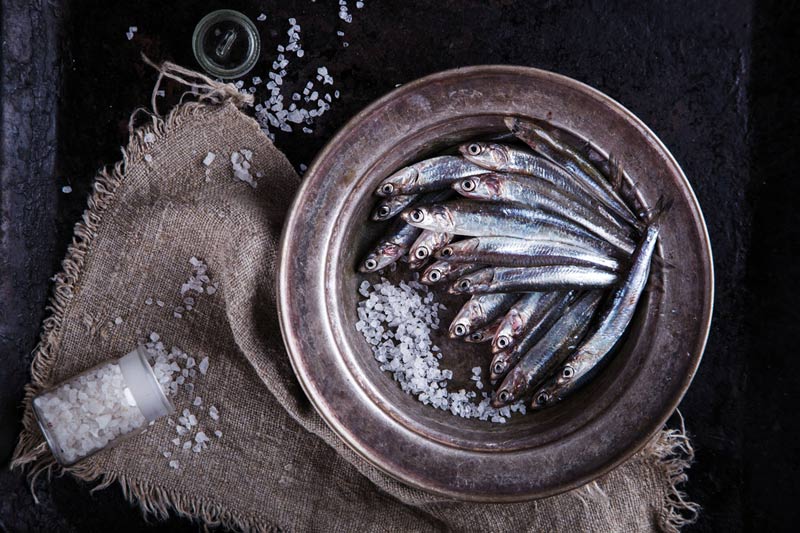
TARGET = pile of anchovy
(553,258)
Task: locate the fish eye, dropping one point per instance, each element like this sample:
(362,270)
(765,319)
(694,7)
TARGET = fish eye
(474,149)
(463,284)
(421,252)
(477,336)
(568,372)
(468,185)
(383,211)
(371,264)
(460,330)
(447,252)
(499,367)
(542,398)
(417,215)
(434,275)
(504,395)
(387,188)
(503,341)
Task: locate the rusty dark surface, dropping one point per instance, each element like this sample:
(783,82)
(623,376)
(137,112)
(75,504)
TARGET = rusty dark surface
(717,81)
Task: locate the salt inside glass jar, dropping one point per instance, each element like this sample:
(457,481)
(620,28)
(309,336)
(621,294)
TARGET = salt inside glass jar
(99,407)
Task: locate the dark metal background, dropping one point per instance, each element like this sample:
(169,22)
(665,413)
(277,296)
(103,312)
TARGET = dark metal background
(716,80)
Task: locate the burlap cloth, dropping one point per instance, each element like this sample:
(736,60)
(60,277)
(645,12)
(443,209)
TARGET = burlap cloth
(277,465)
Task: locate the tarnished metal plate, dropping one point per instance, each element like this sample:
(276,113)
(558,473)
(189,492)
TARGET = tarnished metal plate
(542,453)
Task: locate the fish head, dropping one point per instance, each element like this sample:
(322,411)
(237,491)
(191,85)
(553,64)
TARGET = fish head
(398,182)
(544,397)
(499,366)
(387,208)
(474,282)
(510,389)
(435,217)
(488,155)
(419,254)
(435,273)
(459,327)
(480,187)
(570,372)
(509,329)
(382,256)
(465,246)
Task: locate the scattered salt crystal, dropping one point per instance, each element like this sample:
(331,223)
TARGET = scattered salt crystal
(174,464)
(148,158)
(213,413)
(160,303)
(209,158)
(218,433)
(167,454)
(66,189)
(261,18)
(203,366)
(154,336)
(118,320)
(176,441)
(149,137)
(187,445)
(198,401)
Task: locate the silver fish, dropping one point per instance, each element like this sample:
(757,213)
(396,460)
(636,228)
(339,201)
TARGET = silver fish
(479,311)
(612,324)
(503,158)
(537,194)
(391,247)
(428,175)
(389,207)
(480,219)
(550,308)
(515,252)
(544,278)
(554,347)
(444,271)
(554,148)
(484,334)
(427,244)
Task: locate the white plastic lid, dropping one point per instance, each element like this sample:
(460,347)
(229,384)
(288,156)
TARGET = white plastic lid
(144,386)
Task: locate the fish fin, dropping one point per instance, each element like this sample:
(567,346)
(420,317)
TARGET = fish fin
(662,207)
(514,124)
(617,173)
(663,264)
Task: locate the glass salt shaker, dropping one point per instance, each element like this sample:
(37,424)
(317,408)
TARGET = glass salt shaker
(101,406)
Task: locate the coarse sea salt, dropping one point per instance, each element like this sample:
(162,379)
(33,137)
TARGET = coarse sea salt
(397,321)
(88,412)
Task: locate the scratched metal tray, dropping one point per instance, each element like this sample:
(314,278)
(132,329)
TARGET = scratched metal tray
(545,452)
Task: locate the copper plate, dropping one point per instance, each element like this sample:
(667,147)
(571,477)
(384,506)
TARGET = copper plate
(539,454)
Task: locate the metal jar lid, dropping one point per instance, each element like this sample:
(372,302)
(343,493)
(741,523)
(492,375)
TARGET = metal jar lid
(226,44)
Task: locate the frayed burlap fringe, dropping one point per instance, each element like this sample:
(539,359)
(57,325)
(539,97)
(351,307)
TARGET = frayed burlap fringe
(672,451)
(31,451)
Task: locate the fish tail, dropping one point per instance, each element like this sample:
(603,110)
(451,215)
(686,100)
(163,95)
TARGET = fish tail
(617,172)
